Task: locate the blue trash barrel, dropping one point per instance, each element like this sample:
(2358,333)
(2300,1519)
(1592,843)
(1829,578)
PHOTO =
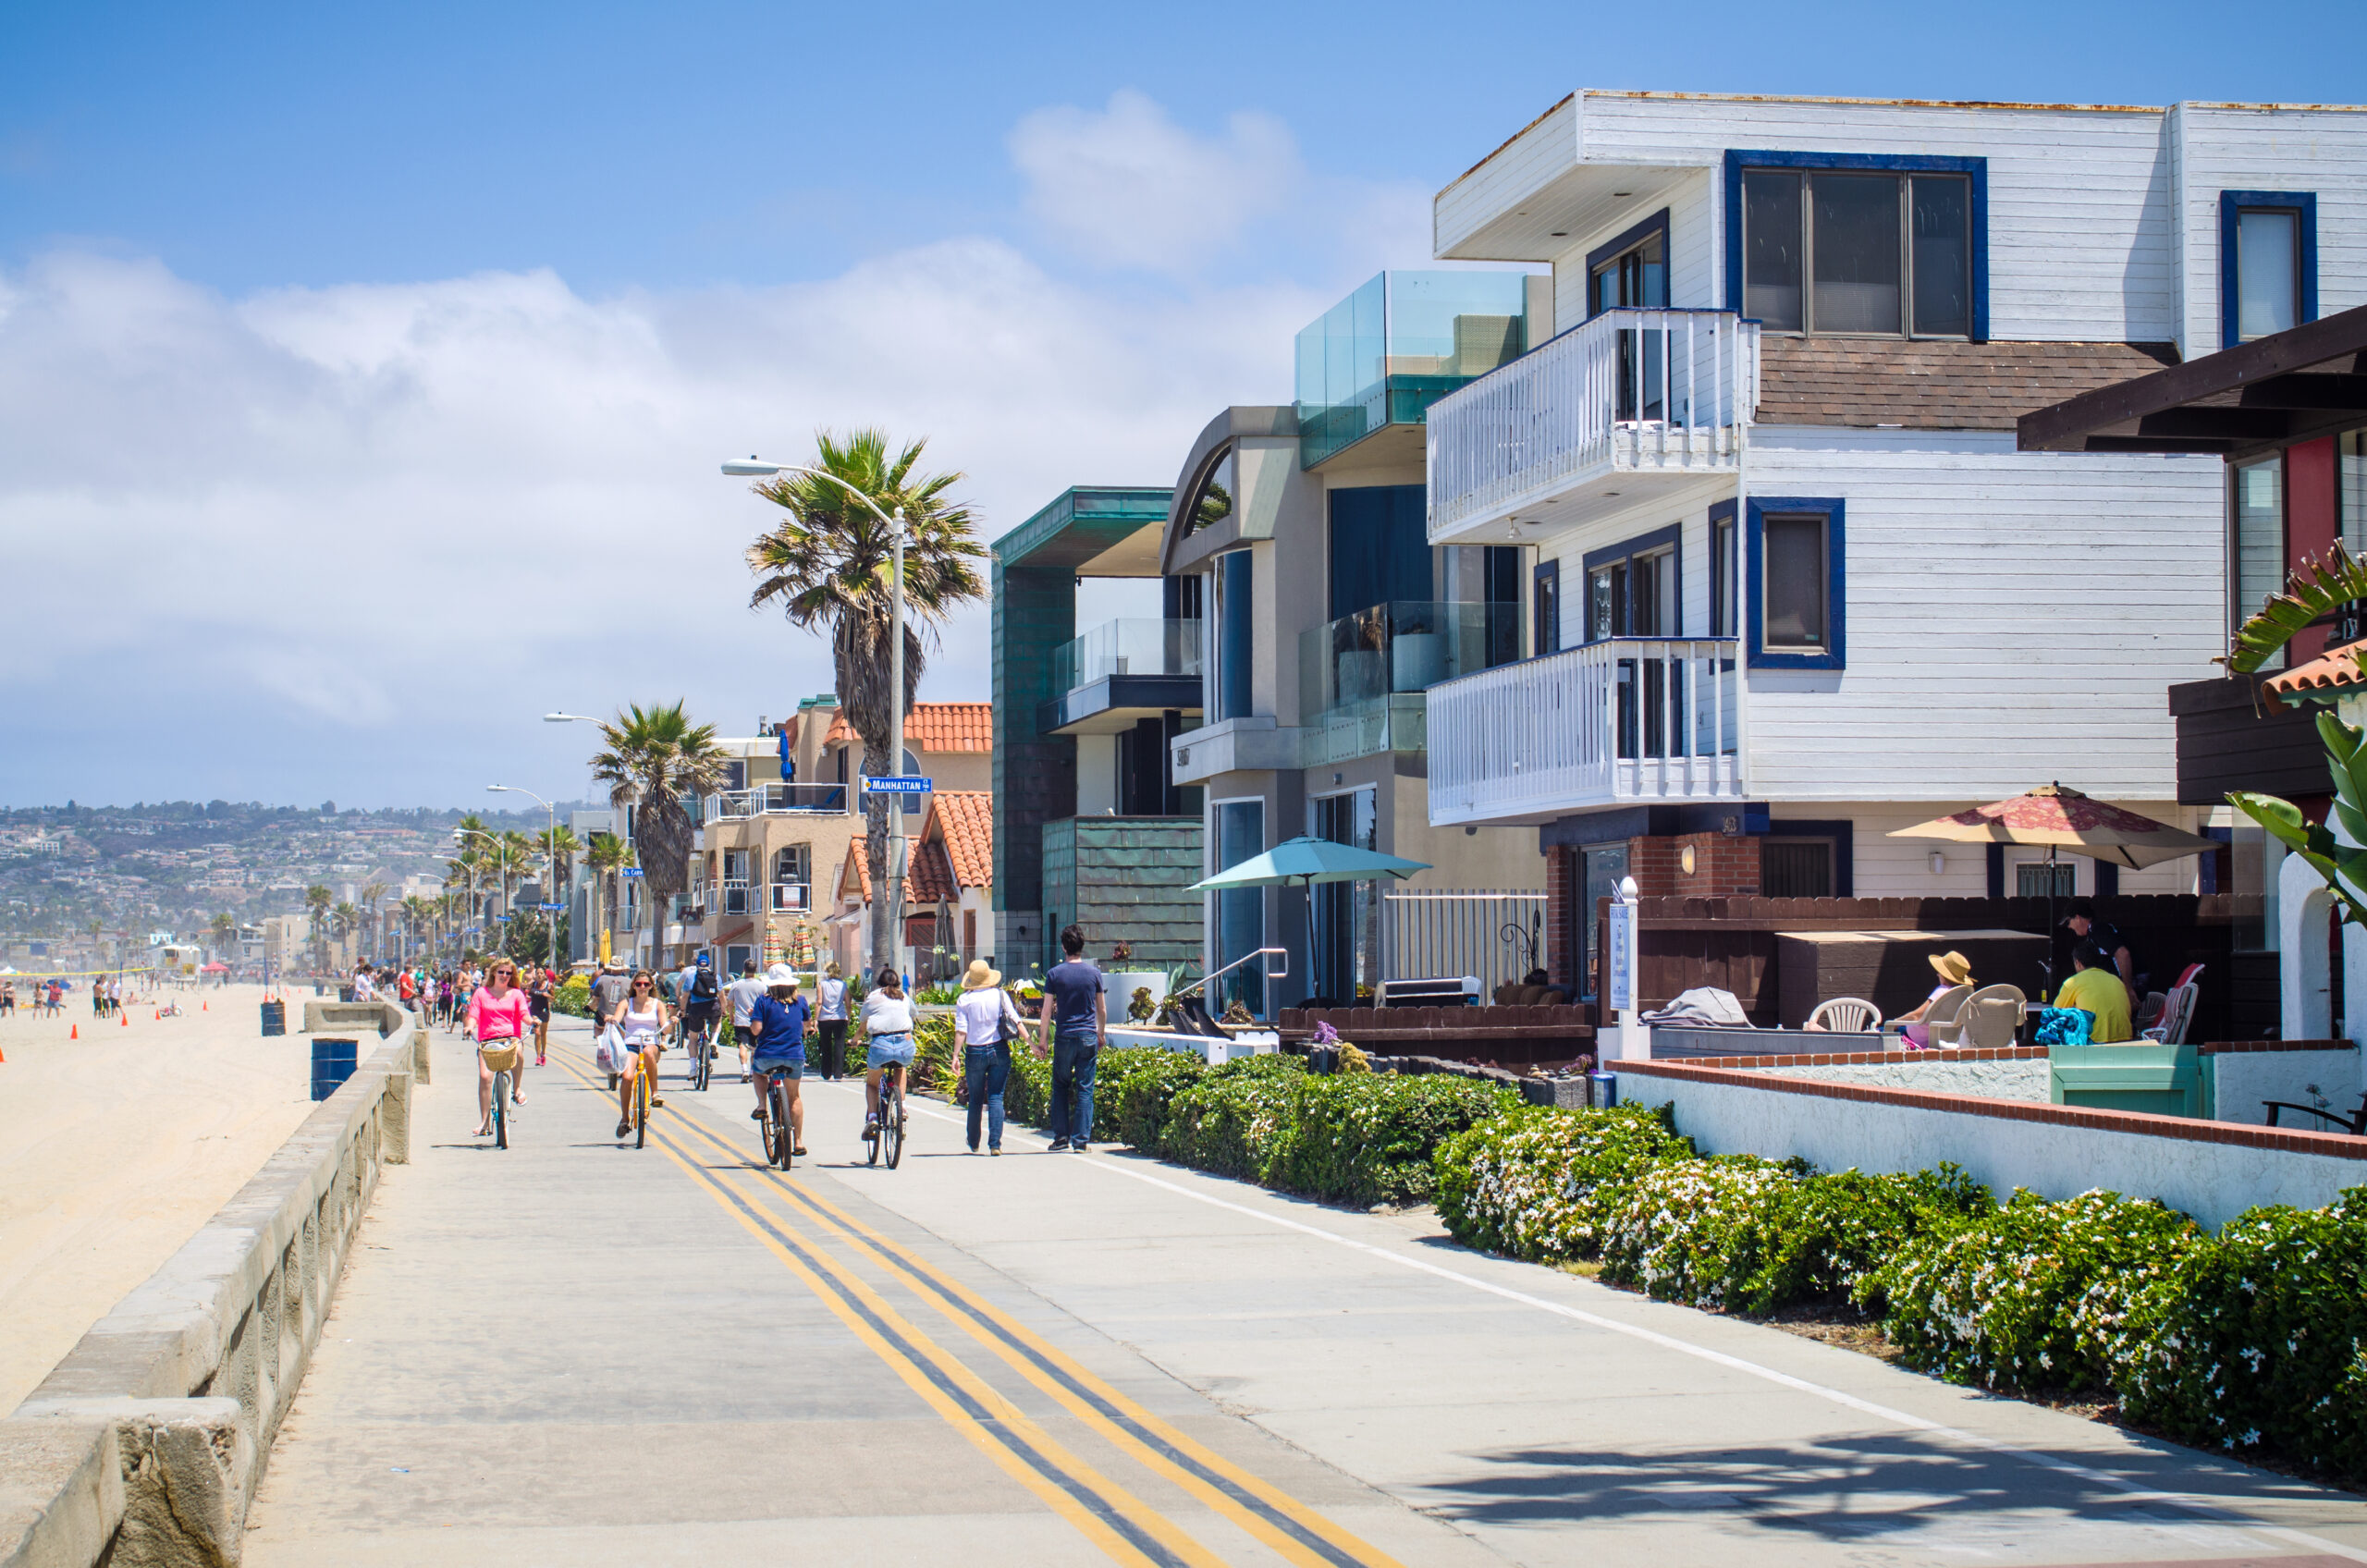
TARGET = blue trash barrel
(1603,1088)
(332,1065)
(275,1018)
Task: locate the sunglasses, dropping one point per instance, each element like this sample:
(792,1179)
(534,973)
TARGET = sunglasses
(640,985)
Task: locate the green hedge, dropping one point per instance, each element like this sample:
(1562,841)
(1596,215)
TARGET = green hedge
(572,996)
(1539,1185)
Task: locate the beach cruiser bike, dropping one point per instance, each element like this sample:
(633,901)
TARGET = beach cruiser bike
(504,1059)
(701,1042)
(886,1140)
(780,1135)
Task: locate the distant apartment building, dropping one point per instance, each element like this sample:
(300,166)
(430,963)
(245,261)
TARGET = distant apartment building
(773,840)
(1789,583)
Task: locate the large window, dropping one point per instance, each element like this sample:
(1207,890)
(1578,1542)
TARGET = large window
(1241,911)
(2259,503)
(1632,269)
(1236,603)
(1725,566)
(1347,914)
(1545,608)
(1632,589)
(2268,263)
(1868,246)
(1794,590)
(1379,552)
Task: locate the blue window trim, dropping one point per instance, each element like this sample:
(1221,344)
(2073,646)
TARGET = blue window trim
(1836,655)
(1671,538)
(1656,224)
(2232,203)
(1548,570)
(1976,170)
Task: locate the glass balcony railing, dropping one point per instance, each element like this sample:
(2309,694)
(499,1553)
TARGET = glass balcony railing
(1131,646)
(1388,351)
(1406,646)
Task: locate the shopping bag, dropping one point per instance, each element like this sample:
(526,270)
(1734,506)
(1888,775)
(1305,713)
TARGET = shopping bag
(609,1050)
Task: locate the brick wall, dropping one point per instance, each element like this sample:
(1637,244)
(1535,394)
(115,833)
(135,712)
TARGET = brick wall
(1723,866)
(1561,864)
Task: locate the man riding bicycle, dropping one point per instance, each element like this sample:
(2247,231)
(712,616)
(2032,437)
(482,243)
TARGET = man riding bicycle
(743,995)
(887,1025)
(777,1027)
(701,989)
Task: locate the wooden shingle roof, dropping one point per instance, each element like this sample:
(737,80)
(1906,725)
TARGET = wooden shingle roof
(1928,385)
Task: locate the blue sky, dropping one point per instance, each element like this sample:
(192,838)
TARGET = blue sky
(362,369)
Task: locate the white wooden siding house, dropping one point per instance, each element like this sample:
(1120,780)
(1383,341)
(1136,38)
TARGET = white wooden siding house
(1792,585)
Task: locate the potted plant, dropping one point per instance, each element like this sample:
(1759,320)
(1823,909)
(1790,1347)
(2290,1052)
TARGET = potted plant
(1125,983)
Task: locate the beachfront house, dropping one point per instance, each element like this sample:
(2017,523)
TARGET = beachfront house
(1790,582)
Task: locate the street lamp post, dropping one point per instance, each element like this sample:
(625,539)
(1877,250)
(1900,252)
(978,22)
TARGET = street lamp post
(756,468)
(458,834)
(551,928)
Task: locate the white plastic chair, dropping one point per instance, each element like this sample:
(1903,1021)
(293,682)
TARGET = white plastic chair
(1945,1016)
(1847,1015)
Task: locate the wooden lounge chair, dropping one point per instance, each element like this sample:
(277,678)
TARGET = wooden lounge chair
(2356,1122)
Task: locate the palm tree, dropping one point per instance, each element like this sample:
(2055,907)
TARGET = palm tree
(830,565)
(225,934)
(605,856)
(372,896)
(346,920)
(654,757)
(316,909)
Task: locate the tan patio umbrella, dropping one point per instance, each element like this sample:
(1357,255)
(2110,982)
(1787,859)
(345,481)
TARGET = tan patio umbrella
(2053,818)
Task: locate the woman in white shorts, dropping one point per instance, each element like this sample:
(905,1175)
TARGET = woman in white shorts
(887,1025)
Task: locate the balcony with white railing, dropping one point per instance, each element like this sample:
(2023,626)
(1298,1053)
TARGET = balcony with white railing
(1655,398)
(1628,718)
(777,799)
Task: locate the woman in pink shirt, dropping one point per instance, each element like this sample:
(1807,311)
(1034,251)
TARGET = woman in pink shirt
(498,1015)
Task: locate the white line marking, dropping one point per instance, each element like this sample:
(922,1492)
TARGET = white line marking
(2216,1511)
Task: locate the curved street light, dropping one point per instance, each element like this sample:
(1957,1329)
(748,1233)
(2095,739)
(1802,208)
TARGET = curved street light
(758,468)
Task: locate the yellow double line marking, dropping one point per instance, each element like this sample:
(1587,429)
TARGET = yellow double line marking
(1292,1530)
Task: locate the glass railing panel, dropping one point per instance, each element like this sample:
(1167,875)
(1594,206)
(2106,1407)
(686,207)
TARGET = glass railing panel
(1132,646)
(1398,344)
(1400,647)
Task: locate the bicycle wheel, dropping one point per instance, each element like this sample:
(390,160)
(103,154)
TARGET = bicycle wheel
(705,1057)
(784,1134)
(641,1108)
(500,1111)
(891,1119)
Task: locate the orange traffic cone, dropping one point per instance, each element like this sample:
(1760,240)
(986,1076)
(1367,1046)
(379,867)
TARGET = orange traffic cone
(159,1015)
(125,1016)
(201,1007)
(74,1033)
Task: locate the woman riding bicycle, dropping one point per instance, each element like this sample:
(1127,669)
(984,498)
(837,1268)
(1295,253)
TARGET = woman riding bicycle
(887,1025)
(642,1021)
(776,1024)
(498,1016)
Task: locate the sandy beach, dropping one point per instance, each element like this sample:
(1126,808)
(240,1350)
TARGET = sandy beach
(115,1146)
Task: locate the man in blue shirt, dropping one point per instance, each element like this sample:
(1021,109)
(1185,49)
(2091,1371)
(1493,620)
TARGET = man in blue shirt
(776,1021)
(1076,1015)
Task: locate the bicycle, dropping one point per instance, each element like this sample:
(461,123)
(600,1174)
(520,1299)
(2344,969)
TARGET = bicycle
(641,1078)
(779,1134)
(503,1060)
(702,1043)
(888,1139)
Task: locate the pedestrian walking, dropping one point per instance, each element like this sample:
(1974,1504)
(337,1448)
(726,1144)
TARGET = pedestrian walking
(985,1022)
(831,1023)
(1077,1015)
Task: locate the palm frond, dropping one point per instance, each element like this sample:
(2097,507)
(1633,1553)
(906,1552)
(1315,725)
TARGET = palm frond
(2315,591)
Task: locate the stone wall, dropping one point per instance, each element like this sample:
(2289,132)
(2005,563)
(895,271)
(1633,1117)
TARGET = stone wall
(145,1444)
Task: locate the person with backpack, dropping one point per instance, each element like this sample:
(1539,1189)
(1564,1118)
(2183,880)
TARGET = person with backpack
(701,991)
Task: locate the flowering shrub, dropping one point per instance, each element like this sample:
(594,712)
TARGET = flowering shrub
(1537,1183)
(2036,1296)
(572,996)
(1744,1235)
(1364,1139)
(2258,1340)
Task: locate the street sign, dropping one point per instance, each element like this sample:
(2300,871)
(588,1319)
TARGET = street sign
(1621,944)
(632,871)
(550,908)
(899,784)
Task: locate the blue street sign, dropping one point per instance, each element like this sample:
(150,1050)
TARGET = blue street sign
(632,871)
(550,907)
(899,784)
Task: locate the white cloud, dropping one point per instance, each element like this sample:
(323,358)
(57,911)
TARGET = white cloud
(352,541)
(1128,185)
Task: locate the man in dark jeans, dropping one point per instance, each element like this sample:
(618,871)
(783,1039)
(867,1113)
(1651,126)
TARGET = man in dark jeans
(1076,1015)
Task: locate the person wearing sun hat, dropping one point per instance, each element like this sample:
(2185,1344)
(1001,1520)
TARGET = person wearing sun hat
(1954,969)
(984,1024)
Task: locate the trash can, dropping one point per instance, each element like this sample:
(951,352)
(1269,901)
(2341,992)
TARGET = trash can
(345,993)
(275,1018)
(332,1065)
(1602,1089)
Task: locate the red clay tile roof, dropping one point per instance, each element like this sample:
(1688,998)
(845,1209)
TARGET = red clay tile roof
(934,727)
(2336,670)
(1926,385)
(963,820)
(929,880)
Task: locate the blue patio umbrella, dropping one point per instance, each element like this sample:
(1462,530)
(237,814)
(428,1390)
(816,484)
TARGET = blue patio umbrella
(1307,861)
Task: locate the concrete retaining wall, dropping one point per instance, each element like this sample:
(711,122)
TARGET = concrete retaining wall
(2211,1170)
(2297,1073)
(145,1444)
(2000,1077)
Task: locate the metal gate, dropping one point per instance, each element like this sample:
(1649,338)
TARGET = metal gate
(1496,934)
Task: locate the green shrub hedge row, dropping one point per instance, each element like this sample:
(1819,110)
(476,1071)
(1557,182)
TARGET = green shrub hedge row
(2250,1341)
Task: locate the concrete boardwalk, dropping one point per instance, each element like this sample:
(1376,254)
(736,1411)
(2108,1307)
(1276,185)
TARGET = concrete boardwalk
(575,1353)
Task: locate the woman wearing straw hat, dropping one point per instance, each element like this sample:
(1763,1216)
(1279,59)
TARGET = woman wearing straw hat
(1954,970)
(984,1023)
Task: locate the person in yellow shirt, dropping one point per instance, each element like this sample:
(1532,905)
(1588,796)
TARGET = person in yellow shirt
(2095,986)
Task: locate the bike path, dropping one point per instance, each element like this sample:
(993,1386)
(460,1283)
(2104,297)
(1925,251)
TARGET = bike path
(573,1350)
(660,1388)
